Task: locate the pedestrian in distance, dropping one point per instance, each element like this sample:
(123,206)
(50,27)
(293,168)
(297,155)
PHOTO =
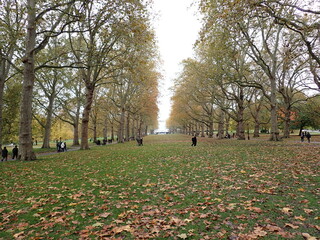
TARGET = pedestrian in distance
(62,146)
(194,141)
(58,146)
(302,136)
(139,141)
(4,154)
(15,152)
(308,136)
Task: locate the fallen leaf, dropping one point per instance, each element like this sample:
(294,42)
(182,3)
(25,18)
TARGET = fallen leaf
(183,236)
(299,218)
(308,236)
(98,224)
(273,228)
(104,215)
(291,226)
(286,210)
(121,229)
(255,209)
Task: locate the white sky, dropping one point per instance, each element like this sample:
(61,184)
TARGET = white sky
(177,30)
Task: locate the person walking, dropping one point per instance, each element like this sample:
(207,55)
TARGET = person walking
(4,154)
(302,136)
(15,152)
(62,145)
(194,141)
(308,136)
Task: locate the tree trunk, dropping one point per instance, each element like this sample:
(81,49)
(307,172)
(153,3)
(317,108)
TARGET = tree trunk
(287,121)
(128,127)
(85,117)
(76,134)
(256,129)
(25,133)
(274,114)
(146,130)
(240,130)
(121,126)
(76,127)
(140,129)
(211,129)
(47,128)
(94,131)
(202,130)
(221,125)
(133,131)
(1,103)
(112,132)
(105,129)
(240,116)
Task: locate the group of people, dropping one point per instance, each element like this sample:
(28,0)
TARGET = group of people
(307,135)
(4,153)
(61,146)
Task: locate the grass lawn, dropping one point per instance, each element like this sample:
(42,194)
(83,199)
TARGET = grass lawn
(166,189)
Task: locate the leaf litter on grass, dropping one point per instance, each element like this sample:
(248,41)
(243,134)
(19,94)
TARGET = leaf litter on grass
(165,189)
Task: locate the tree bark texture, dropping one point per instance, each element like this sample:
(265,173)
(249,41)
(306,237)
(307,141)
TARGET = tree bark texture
(86,116)
(202,130)
(287,121)
(128,127)
(211,129)
(25,134)
(1,105)
(274,135)
(221,125)
(121,126)
(105,129)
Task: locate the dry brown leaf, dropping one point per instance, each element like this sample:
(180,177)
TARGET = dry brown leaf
(291,226)
(307,236)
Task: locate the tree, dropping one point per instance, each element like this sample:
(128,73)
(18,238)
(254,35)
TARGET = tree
(307,114)
(101,46)
(303,20)
(11,24)
(49,83)
(48,19)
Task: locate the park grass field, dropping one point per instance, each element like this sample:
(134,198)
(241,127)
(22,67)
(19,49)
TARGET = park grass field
(166,189)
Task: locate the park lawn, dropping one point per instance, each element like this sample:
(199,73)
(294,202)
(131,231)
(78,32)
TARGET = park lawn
(166,189)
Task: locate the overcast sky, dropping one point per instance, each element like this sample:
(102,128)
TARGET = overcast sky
(177,29)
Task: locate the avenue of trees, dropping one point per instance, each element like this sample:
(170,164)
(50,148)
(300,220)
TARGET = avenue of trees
(257,66)
(90,65)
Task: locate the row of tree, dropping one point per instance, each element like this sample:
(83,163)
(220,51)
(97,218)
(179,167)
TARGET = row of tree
(81,62)
(257,63)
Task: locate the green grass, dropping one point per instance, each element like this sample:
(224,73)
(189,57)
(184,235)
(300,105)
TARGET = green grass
(166,189)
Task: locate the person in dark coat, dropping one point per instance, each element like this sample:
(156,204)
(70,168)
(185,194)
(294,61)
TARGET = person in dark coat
(58,146)
(4,154)
(15,152)
(302,136)
(139,141)
(308,136)
(194,141)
